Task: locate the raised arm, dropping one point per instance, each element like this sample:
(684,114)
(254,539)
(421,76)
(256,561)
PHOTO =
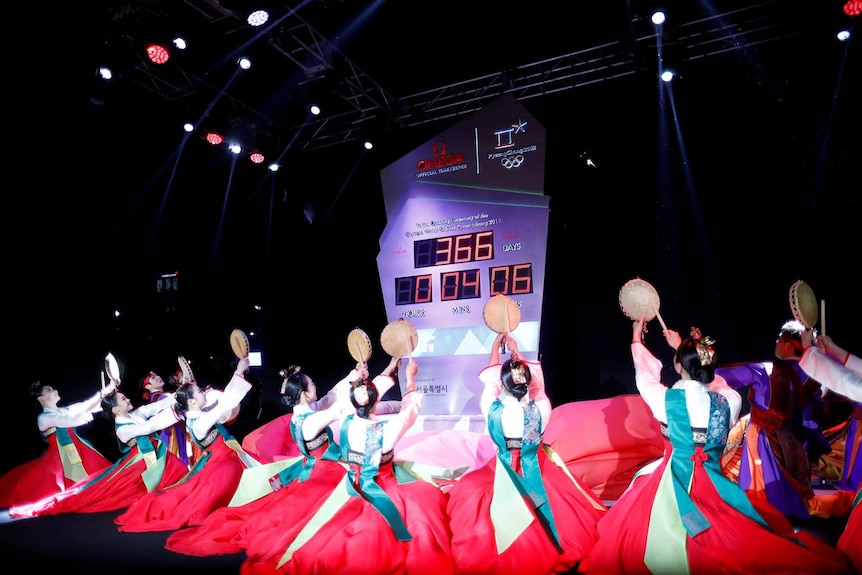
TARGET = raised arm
(319,420)
(228,405)
(75,414)
(830,372)
(825,343)
(647,373)
(342,387)
(160,420)
(386,381)
(494,359)
(411,406)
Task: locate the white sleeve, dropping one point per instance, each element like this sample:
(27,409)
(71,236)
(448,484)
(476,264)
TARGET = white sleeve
(648,380)
(317,421)
(150,409)
(397,425)
(492,386)
(383,383)
(73,415)
(49,419)
(161,420)
(228,401)
(854,363)
(331,396)
(831,374)
(85,408)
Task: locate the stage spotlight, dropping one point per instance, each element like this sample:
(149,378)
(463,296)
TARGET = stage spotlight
(235,148)
(843,35)
(180,43)
(188,127)
(105,73)
(256,157)
(667,75)
(368,144)
(257,18)
(658,18)
(853,7)
(244,63)
(274,167)
(158,54)
(314,109)
(214,138)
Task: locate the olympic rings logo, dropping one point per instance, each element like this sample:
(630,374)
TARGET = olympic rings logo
(515,162)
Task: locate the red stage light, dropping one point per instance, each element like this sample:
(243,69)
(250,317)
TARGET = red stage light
(256,157)
(214,138)
(158,54)
(853,7)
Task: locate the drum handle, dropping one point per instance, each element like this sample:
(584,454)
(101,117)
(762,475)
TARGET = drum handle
(660,320)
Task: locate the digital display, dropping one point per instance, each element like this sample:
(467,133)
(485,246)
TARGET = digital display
(466,219)
(460,285)
(511,280)
(411,290)
(463,248)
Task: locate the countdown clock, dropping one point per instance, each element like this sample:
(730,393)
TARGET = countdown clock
(442,257)
(467,219)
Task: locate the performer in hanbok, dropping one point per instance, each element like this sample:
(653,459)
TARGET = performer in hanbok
(773,462)
(378,520)
(686,516)
(144,466)
(522,513)
(841,372)
(274,440)
(175,437)
(228,529)
(211,483)
(68,458)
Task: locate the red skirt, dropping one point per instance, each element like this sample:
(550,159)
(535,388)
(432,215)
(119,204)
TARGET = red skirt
(733,544)
(116,490)
(575,508)
(43,477)
(229,529)
(189,501)
(356,540)
(850,541)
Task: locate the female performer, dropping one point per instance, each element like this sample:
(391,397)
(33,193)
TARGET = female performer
(68,458)
(175,437)
(145,464)
(522,513)
(228,529)
(213,480)
(273,440)
(686,516)
(840,371)
(377,506)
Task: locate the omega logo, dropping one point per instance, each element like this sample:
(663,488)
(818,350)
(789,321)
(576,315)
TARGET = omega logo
(441,158)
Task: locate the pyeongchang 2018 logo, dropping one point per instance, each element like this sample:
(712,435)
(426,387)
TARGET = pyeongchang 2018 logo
(441,161)
(506,152)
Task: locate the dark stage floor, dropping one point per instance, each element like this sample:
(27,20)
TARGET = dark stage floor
(92,542)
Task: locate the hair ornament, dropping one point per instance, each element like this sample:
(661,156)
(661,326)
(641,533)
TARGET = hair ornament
(703,344)
(287,374)
(357,384)
(519,376)
(188,375)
